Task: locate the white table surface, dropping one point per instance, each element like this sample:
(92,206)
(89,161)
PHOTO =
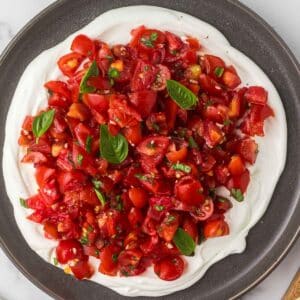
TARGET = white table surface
(282,15)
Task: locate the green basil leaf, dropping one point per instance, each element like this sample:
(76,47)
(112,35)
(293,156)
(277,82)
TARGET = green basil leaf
(42,122)
(55,261)
(184,97)
(182,167)
(184,242)
(113,148)
(92,71)
(237,194)
(79,159)
(100,196)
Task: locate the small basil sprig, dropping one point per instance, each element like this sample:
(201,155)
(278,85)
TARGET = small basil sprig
(42,122)
(184,97)
(184,242)
(237,194)
(113,148)
(92,71)
(181,167)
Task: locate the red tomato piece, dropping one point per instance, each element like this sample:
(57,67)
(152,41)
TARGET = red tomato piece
(82,269)
(138,196)
(143,101)
(169,268)
(68,250)
(189,191)
(58,87)
(215,228)
(109,260)
(236,166)
(69,63)
(256,95)
(83,45)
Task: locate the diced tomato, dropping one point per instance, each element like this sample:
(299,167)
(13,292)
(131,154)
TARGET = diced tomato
(162,75)
(138,196)
(58,87)
(204,211)
(68,250)
(144,101)
(189,191)
(82,269)
(171,110)
(239,182)
(169,268)
(69,63)
(109,260)
(256,95)
(144,75)
(231,79)
(212,63)
(133,134)
(179,155)
(169,226)
(236,166)
(79,111)
(190,227)
(248,149)
(215,228)
(135,217)
(209,85)
(83,45)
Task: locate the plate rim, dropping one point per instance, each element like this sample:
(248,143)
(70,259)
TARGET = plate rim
(32,22)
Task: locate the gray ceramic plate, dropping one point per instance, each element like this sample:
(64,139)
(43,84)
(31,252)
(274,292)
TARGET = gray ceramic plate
(268,241)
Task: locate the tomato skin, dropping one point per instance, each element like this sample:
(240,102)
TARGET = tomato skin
(143,77)
(83,45)
(256,95)
(236,166)
(144,101)
(212,62)
(209,85)
(138,196)
(135,217)
(215,228)
(68,250)
(189,190)
(72,180)
(162,75)
(95,101)
(44,175)
(169,268)
(239,182)
(231,79)
(153,146)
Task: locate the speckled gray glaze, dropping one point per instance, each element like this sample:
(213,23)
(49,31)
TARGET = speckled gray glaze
(267,242)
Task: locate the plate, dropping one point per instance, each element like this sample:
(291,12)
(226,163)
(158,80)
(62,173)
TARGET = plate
(267,242)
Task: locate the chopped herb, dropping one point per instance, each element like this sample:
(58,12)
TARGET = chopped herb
(159,207)
(55,261)
(237,194)
(156,127)
(97,252)
(84,240)
(173,52)
(100,196)
(170,219)
(97,183)
(113,73)
(181,167)
(227,122)
(114,257)
(88,143)
(149,42)
(23,203)
(219,71)
(192,143)
(90,228)
(146,68)
(109,57)
(144,177)
(79,159)
(212,192)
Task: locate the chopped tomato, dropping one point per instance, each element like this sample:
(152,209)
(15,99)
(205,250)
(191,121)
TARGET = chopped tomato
(144,101)
(256,95)
(169,268)
(83,45)
(215,228)
(69,63)
(236,166)
(138,196)
(68,250)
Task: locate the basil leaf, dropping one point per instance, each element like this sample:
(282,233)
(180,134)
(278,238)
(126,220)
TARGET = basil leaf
(97,183)
(181,167)
(184,97)
(79,159)
(42,122)
(92,71)
(100,196)
(237,194)
(55,261)
(184,242)
(113,148)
